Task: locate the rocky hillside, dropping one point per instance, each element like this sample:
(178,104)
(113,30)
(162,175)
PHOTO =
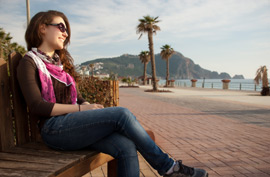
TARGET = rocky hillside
(181,67)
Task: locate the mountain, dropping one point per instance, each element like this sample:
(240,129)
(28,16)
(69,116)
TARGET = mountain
(238,77)
(181,67)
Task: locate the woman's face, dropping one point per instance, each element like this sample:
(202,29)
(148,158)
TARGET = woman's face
(53,37)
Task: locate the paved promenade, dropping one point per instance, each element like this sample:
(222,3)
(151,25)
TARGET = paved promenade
(225,132)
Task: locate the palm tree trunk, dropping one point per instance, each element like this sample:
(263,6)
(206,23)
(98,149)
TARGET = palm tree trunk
(152,55)
(144,74)
(265,79)
(167,76)
(1,50)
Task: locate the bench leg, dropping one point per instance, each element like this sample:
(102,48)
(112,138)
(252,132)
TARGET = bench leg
(151,134)
(112,168)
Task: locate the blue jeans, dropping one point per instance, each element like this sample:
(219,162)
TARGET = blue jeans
(114,131)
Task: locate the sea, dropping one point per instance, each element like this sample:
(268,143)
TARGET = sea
(235,84)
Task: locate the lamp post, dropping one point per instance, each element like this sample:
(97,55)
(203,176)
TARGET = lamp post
(28,11)
(203,82)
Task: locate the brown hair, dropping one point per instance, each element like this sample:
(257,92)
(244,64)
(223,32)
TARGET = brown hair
(33,37)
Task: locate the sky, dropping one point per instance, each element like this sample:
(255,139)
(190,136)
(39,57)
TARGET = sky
(230,36)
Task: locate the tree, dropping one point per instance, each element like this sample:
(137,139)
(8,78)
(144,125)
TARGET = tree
(261,75)
(6,47)
(145,58)
(13,45)
(148,25)
(21,50)
(166,53)
(2,35)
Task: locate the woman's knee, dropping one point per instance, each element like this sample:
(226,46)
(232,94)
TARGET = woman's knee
(124,112)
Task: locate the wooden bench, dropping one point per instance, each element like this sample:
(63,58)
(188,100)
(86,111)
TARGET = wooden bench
(22,152)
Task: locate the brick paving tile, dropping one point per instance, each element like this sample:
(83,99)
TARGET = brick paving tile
(223,146)
(238,175)
(145,170)
(257,175)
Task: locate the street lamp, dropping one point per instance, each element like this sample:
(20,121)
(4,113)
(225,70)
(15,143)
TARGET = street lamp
(28,11)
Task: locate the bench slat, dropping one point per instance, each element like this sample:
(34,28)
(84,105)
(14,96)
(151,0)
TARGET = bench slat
(82,168)
(19,105)
(5,164)
(33,159)
(41,147)
(21,173)
(6,134)
(45,153)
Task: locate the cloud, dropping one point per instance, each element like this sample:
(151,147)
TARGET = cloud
(214,16)
(115,21)
(12,19)
(108,27)
(105,22)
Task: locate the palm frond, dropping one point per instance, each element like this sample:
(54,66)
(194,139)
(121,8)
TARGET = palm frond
(144,56)
(140,36)
(156,28)
(261,75)
(166,52)
(264,77)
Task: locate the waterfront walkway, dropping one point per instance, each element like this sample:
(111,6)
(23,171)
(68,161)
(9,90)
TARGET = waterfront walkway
(225,132)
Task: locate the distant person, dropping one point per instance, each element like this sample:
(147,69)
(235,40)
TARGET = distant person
(67,122)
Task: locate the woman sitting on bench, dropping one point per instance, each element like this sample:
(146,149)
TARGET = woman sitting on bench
(67,122)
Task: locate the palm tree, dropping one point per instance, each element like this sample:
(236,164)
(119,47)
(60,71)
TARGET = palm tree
(14,46)
(261,75)
(2,35)
(148,25)
(166,53)
(21,50)
(145,58)
(6,46)
(7,41)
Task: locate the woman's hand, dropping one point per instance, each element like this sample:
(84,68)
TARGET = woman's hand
(85,103)
(85,107)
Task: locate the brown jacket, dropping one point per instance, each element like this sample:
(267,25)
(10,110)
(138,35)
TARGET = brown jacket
(28,77)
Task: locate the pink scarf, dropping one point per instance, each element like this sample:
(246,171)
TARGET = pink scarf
(47,69)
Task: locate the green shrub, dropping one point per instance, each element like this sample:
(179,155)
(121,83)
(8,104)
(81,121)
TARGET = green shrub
(97,91)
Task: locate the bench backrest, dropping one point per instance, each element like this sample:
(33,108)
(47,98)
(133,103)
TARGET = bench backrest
(6,133)
(17,127)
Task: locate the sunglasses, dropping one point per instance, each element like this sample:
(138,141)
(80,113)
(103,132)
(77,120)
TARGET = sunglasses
(60,26)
